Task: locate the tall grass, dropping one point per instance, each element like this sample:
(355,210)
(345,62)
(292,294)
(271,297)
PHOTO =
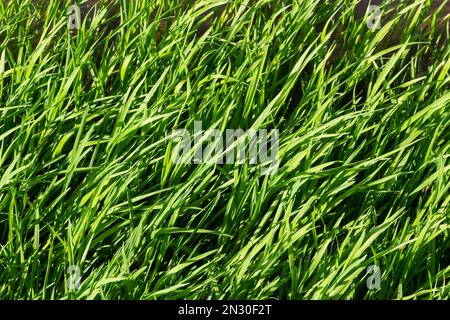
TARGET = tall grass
(86,177)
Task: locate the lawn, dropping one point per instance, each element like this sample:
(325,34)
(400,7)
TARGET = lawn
(93,205)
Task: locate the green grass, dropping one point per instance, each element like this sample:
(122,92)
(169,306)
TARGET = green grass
(86,176)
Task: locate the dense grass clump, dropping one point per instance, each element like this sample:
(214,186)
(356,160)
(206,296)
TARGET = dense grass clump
(87,178)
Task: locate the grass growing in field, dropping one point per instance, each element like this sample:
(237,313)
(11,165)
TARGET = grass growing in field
(86,177)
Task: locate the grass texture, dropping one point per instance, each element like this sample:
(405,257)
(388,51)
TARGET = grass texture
(86,177)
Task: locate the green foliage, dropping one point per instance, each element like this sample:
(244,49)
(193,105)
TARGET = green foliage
(86,177)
